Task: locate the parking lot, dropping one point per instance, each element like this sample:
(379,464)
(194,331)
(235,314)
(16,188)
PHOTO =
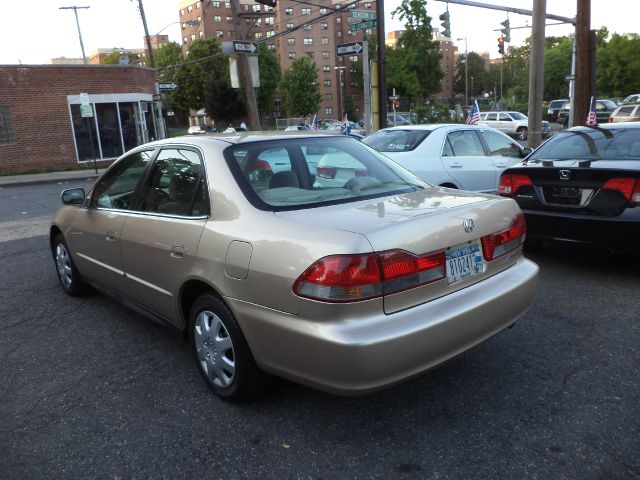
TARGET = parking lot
(92,390)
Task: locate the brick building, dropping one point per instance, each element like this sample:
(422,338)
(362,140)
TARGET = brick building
(324,26)
(41,126)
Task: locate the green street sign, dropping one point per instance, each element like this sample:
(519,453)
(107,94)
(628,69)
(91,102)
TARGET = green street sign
(362,14)
(356,27)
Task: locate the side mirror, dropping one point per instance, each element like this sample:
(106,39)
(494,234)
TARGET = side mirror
(73,196)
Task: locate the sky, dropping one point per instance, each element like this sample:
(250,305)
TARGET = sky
(41,31)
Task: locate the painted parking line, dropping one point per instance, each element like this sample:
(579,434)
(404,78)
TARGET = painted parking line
(27,228)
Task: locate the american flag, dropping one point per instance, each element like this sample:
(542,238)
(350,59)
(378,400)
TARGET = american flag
(474,114)
(592,120)
(314,123)
(345,127)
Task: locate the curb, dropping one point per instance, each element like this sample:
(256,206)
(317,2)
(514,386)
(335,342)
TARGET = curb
(51,177)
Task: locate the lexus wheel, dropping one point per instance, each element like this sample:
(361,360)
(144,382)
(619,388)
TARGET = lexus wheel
(222,352)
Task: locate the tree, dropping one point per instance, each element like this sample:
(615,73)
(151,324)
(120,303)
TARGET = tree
(270,76)
(557,65)
(112,58)
(168,58)
(618,66)
(419,53)
(208,64)
(475,69)
(300,87)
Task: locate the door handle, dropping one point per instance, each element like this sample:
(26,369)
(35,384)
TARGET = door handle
(455,165)
(179,251)
(111,236)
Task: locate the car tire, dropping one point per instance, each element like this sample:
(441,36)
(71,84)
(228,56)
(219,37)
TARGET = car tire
(221,351)
(522,133)
(68,274)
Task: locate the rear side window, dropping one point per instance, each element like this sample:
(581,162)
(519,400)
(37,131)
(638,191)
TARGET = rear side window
(396,140)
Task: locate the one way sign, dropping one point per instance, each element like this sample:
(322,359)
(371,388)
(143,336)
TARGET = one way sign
(350,48)
(244,47)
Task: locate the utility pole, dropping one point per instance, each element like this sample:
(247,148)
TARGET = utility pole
(152,58)
(382,67)
(536,73)
(244,71)
(75,10)
(583,40)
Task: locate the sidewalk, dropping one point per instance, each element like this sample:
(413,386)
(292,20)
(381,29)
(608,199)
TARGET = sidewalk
(34,178)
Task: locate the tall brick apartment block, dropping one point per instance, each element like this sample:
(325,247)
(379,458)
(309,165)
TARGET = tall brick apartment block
(322,31)
(41,126)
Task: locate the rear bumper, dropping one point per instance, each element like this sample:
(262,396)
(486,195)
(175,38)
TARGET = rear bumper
(359,356)
(616,233)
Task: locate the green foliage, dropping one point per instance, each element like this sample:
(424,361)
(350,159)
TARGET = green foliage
(169,55)
(417,54)
(557,65)
(476,70)
(270,77)
(300,87)
(618,66)
(197,77)
(112,58)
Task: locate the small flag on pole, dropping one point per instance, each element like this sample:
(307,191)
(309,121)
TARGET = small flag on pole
(592,120)
(314,123)
(344,127)
(474,114)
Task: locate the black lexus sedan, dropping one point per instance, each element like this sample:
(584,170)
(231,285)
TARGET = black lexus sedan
(582,185)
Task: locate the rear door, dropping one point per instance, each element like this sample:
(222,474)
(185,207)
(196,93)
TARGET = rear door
(159,242)
(465,160)
(503,151)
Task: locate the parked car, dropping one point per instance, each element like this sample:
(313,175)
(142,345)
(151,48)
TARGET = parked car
(200,129)
(626,113)
(295,128)
(395,120)
(635,98)
(467,157)
(554,108)
(583,185)
(347,288)
(604,109)
(512,123)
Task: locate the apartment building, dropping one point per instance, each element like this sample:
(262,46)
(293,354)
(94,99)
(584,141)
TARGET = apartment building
(290,30)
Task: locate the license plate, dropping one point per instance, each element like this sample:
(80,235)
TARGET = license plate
(463,262)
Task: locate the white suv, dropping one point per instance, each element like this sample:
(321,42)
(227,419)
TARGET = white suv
(512,123)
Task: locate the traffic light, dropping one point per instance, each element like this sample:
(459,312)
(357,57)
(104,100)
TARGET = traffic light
(446,25)
(506,31)
(501,45)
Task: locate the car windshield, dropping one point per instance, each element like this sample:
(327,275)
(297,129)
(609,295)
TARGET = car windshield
(592,144)
(608,104)
(518,116)
(403,140)
(305,172)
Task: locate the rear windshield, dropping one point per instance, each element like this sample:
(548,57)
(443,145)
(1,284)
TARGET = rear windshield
(591,144)
(396,140)
(306,172)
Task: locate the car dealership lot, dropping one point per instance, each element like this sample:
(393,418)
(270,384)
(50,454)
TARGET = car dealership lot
(91,389)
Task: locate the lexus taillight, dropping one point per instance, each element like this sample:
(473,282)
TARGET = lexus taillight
(510,183)
(352,278)
(629,187)
(501,243)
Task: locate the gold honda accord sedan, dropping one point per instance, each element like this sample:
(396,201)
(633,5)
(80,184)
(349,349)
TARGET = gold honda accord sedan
(308,256)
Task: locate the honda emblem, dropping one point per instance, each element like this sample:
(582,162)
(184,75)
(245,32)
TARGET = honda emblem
(565,174)
(468,225)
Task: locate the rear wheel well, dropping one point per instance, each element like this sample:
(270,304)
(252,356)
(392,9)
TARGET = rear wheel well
(448,185)
(190,293)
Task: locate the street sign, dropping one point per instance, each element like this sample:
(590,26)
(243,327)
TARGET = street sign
(350,48)
(244,47)
(86,110)
(356,27)
(168,86)
(362,14)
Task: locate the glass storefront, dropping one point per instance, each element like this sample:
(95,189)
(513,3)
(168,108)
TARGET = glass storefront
(115,128)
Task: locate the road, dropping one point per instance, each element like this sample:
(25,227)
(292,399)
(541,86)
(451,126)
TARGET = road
(92,390)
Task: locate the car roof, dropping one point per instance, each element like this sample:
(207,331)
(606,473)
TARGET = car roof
(245,137)
(607,126)
(429,126)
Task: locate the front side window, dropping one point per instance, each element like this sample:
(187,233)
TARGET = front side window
(175,185)
(463,143)
(117,188)
(499,146)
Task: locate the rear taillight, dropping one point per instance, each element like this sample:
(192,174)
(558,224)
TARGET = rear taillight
(353,278)
(629,187)
(326,172)
(509,184)
(501,243)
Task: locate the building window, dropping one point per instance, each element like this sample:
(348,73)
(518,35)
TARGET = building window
(182,12)
(201,34)
(367,5)
(227,4)
(190,8)
(216,4)
(310,54)
(270,33)
(258,22)
(6,132)
(328,111)
(352,34)
(256,8)
(323,11)
(271,47)
(269,21)
(338,20)
(326,54)
(229,19)
(193,37)
(308,41)
(219,33)
(324,26)
(306,26)
(230,34)
(326,68)
(368,31)
(338,34)
(217,18)
(184,39)
(197,4)
(291,41)
(288,11)
(328,97)
(327,83)
(289,25)
(354,58)
(257,35)
(292,54)
(306,11)
(324,40)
